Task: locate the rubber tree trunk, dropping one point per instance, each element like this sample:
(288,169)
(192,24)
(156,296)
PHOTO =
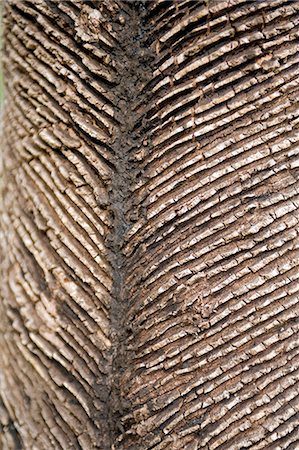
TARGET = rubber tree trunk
(150,225)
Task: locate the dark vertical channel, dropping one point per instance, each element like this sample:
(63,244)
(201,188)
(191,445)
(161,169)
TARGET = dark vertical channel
(134,71)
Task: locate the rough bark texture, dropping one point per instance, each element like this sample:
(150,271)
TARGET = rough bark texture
(149,293)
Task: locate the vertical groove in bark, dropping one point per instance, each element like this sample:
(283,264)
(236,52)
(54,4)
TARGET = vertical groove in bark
(133,73)
(77,71)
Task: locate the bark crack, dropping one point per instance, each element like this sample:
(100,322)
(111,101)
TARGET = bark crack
(134,72)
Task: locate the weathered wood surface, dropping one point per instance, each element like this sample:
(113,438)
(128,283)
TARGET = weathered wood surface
(149,293)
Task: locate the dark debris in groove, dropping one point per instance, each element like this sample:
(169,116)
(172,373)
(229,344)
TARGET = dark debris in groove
(9,436)
(133,60)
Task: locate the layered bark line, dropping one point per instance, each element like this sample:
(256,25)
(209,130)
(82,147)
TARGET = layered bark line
(150,225)
(213,285)
(70,68)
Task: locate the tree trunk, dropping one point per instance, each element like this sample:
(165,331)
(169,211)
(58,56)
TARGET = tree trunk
(149,287)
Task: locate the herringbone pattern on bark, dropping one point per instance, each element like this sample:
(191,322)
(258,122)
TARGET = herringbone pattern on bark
(150,225)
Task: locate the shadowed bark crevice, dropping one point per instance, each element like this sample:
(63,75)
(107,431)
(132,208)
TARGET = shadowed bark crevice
(133,73)
(9,436)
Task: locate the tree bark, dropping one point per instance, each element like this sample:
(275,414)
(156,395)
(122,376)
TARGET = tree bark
(149,225)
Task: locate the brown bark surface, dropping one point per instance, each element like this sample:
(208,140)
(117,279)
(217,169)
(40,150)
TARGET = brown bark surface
(149,287)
